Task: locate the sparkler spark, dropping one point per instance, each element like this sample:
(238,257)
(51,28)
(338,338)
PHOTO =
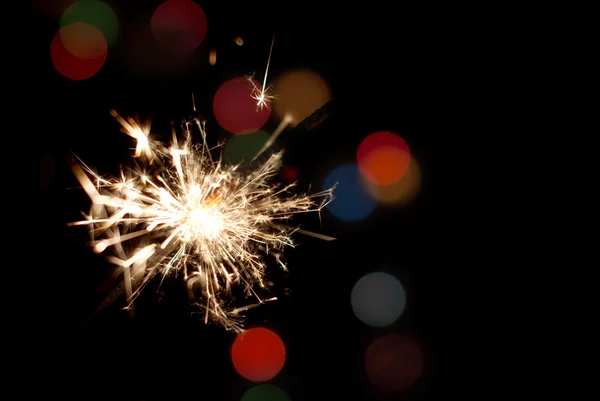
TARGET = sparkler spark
(186,213)
(262,94)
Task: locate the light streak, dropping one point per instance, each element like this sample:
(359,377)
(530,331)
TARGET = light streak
(282,125)
(185,213)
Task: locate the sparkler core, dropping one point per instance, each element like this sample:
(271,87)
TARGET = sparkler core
(205,222)
(184,213)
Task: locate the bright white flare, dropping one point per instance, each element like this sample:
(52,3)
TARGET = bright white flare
(187,213)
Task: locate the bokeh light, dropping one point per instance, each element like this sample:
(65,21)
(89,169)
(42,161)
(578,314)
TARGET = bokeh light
(179,26)
(265,392)
(258,354)
(238,40)
(352,201)
(212,57)
(86,52)
(235,109)
(393,362)
(378,299)
(401,193)
(52,8)
(289,173)
(383,158)
(298,93)
(243,148)
(96,13)
(83,40)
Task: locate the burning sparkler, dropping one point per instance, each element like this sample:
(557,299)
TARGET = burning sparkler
(262,94)
(188,213)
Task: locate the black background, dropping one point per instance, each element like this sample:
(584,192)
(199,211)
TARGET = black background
(390,67)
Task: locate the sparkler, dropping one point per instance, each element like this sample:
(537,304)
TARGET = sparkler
(263,97)
(262,93)
(184,212)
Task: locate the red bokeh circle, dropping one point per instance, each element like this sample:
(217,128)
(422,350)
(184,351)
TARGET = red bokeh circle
(258,354)
(394,362)
(69,64)
(290,173)
(383,158)
(179,26)
(236,110)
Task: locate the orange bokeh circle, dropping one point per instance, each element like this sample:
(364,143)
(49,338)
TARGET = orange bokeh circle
(383,158)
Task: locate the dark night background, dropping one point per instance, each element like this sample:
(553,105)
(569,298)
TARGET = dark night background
(390,67)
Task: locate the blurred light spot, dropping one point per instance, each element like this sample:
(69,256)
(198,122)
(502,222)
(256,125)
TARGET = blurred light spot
(378,299)
(70,65)
(46,170)
(393,362)
(242,148)
(383,158)
(290,173)
(265,392)
(52,8)
(235,109)
(400,193)
(83,40)
(179,26)
(96,13)
(299,93)
(352,202)
(212,57)
(258,354)
(238,41)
